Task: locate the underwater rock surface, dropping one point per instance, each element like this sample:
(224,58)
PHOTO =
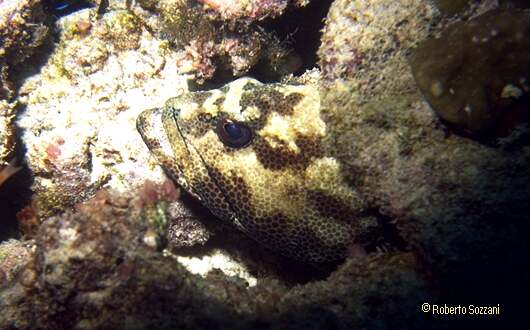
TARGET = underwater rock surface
(7,131)
(78,123)
(14,254)
(366,41)
(476,75)
(96,268)
(455,212)
(23,28)
(221,39)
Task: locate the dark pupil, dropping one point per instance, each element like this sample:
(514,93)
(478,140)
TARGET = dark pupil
(234,131)
(233,134)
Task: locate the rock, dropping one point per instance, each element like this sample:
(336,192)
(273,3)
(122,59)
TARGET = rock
(451,7)
(455,202)
(13,257)
(78,127)
(92,268)
(23,28)
(96,266)
(221,38)
(364,41)
(465,7)
(7,131)
(476,75)
(255,10)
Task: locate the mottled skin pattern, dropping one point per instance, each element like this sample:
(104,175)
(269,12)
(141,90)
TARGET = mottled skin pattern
(283,189)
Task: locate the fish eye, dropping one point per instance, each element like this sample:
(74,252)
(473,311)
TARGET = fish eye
(233,134)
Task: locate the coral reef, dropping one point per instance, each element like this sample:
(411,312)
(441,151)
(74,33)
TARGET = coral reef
(94,268)
(454,201)
(369,43)
(23,28)
(244,9)
(132,256)
(80,110)
(221,37)
(476,74)
(14,255)
(7,131)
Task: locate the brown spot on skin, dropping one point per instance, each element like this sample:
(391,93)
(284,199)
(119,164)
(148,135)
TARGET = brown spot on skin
(270,100)
(330,207)
(220,100)
(292,100)
(235,190)
(201,97)
(281,157)
(202,123)
(271,231)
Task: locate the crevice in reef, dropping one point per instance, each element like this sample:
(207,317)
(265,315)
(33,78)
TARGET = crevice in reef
(298,30)
(301,30)
(60,8)
(15,193)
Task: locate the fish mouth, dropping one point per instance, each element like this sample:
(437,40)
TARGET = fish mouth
(151,128)
(161,131)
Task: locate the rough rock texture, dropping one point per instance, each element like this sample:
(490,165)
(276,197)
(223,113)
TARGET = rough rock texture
(237,9)
(97,268)
(476,75)
(218,38)
(185,230)
(453,7)
(459,204)
(460,208)
(456,202)
(367,41)
(7,131)
(22,29)
(14,255)
(80,109)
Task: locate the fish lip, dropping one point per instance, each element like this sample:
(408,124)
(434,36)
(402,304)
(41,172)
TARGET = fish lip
(144,126)
(149,125)
(181,178)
